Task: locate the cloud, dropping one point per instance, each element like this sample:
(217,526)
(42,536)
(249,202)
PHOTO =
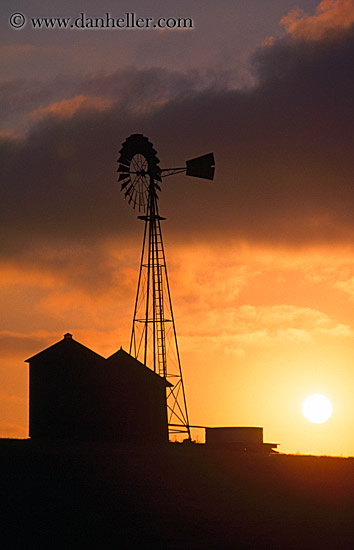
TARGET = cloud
(17,99)
(69,107)
(136,91)
(19,345)
(283,152)
(331,17)
(270,325)
(33,57)
(245,331)
(12,51)
(347,286)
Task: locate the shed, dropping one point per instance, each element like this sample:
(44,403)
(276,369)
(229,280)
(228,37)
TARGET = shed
(75,393)
(239,438)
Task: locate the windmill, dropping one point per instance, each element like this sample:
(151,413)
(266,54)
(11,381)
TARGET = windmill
(153,337)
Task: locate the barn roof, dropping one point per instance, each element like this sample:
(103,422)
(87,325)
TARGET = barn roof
(120,360)
(67,345)
(125,361)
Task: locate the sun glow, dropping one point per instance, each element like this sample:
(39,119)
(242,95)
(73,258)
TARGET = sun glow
(317,408)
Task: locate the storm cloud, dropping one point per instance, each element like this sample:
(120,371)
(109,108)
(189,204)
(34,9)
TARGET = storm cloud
(283,149)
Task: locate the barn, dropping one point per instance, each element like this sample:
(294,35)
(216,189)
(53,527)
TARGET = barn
(76,394)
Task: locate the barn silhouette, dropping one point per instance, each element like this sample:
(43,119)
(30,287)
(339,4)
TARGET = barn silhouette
(76,394)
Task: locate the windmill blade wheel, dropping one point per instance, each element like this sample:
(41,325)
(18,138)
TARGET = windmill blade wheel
(138,165)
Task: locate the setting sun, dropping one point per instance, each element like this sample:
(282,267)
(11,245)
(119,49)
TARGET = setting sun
(317,408)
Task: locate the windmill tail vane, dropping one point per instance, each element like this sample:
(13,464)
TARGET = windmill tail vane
(154,337)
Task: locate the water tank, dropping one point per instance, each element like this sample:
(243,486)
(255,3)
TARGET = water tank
(243,436)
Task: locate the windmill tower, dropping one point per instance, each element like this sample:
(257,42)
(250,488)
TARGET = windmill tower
(153,337)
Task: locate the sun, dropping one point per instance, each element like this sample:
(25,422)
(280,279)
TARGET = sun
(317,408)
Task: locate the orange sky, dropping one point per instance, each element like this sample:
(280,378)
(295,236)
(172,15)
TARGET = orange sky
(258,331)
(260,261)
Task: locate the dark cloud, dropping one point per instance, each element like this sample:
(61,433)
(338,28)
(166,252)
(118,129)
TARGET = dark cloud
(134,90)
(15,344)
(283,151)
(17,98)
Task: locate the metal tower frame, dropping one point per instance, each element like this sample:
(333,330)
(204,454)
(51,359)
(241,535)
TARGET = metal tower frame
(154,338)
(154,331)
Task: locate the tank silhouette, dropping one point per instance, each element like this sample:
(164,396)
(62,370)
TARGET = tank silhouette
(238,438)
(76,394)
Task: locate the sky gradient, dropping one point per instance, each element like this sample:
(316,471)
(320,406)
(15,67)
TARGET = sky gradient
(260,261)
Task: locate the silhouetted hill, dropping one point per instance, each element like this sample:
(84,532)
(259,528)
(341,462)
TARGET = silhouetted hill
(177,496)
